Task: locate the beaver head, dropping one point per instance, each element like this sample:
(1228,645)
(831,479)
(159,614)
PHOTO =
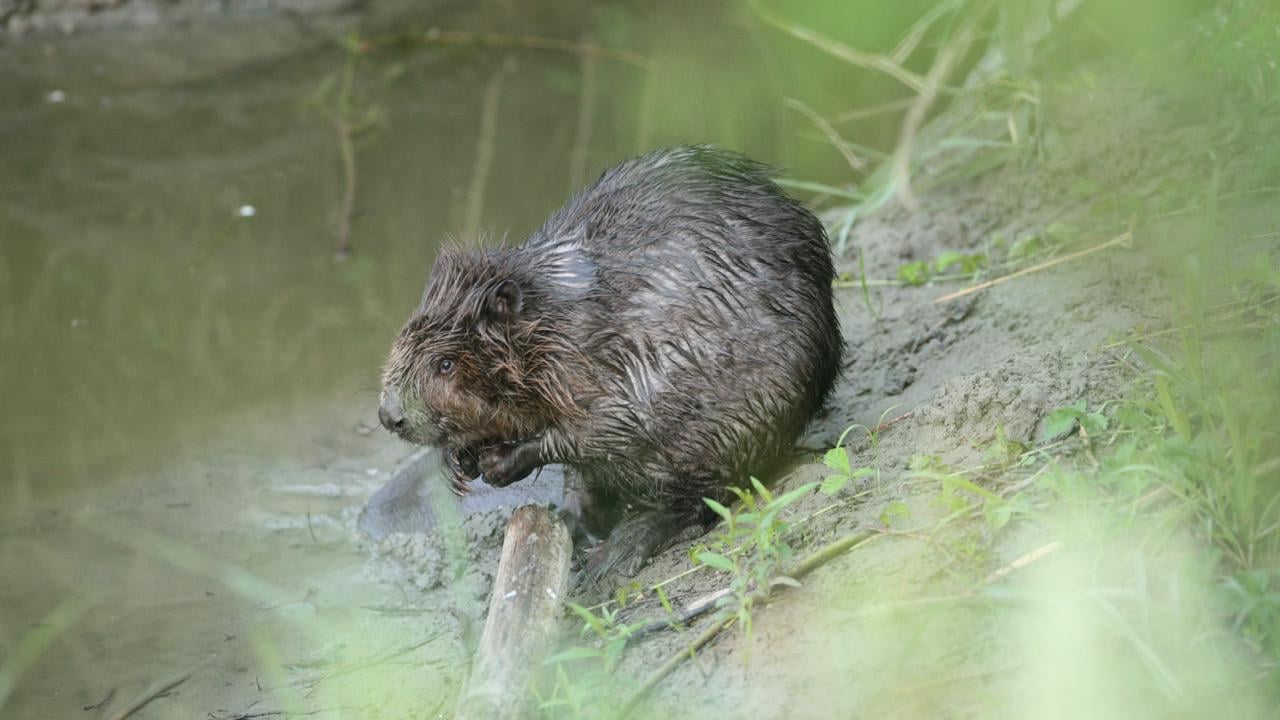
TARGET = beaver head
(481,360)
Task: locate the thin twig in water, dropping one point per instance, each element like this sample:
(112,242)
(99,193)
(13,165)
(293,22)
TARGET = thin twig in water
(586,119)
(346,149)
(283,713)
(395,610)
(358,665)
(348,154)
(1120,240)
(485,148)
(110,694)
(436,36)
(157,689)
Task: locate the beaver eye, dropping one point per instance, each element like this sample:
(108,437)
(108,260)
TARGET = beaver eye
(445,366)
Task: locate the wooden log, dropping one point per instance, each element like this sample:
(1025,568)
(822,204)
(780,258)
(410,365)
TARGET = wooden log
(524,612)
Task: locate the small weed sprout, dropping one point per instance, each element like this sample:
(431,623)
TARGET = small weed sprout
(914,273)
(873,434)
(1063,420)
(966,264)
(1004,452)
(894,514)
(837,459)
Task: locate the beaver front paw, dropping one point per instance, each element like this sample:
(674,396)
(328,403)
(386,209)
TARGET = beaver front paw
(461,467)
(509,462)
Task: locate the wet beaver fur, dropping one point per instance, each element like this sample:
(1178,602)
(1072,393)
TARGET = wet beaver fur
(665,335)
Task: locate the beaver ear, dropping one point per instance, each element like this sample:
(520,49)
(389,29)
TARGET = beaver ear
(503,301)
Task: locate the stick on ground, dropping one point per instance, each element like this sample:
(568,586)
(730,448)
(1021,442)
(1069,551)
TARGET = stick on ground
(524,612)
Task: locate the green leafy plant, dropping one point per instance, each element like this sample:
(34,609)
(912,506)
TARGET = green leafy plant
(1063,420)
(837,459)
(894,514)
(914,273)
(968,264)
(751,548)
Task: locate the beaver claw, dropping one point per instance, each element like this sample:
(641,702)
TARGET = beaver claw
(509,462)
(461,468)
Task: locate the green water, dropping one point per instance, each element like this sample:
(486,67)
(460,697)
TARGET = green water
(138,309)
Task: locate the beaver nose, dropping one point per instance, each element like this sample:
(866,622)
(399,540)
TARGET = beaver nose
(390,413)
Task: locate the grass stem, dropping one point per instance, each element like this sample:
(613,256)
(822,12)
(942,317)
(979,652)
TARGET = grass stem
(1122,239)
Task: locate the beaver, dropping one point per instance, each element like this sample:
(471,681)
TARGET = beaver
(667,334)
